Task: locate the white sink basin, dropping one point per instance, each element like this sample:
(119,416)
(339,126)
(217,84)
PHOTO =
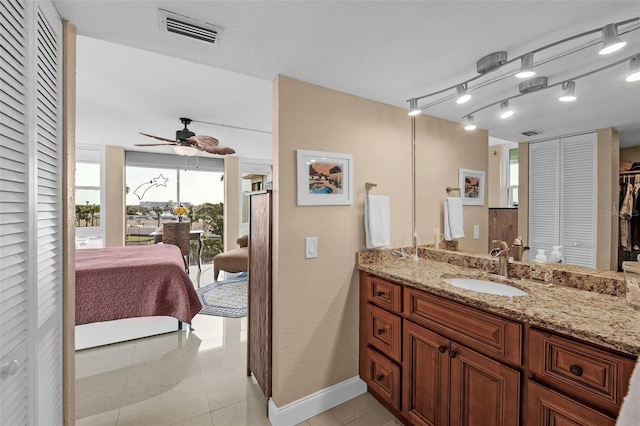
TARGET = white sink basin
(482,286)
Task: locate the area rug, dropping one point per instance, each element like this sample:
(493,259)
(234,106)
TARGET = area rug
(225,298)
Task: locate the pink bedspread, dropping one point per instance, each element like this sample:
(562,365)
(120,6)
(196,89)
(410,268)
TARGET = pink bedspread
(134,281)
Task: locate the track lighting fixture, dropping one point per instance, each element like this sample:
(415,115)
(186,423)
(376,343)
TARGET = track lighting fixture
(413,107)
(526,67)
(463,96)
(505,110)
(634,69)
(568,89)
(187,151)
(469,123)
(610,40)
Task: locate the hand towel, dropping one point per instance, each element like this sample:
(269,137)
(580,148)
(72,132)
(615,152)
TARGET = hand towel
(630,410)
(453,226)
(376,221)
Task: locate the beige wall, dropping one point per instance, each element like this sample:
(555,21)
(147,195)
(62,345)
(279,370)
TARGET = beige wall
(443,147)
(607,199)
(494,176)
(231,202)
(315,307)
(114,219)
(630,154)
(607,221)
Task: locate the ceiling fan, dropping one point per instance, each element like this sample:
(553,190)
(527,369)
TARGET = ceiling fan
(188,143)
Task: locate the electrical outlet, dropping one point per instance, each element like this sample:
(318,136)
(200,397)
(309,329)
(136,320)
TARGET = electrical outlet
(476,232)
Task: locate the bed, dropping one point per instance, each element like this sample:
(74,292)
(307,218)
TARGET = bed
(124,293)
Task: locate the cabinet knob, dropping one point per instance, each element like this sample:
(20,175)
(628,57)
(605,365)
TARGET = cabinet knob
(379,377)
(452,354)
(575,370)
(379,293)
(379,331)
(9,369)
(442,349)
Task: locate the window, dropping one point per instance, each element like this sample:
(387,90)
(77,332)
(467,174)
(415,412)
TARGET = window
(89,199)
(512,178)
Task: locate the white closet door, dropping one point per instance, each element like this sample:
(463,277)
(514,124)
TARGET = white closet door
(578,199)
(30,214)
(14,208)
(544,195)
(47,130)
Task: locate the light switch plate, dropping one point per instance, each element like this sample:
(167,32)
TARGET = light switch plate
(311,247)
(476,232)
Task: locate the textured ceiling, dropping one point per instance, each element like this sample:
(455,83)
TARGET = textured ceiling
(388,51)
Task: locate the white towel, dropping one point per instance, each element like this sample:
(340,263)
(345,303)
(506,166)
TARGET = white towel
(630,410)
(376,221)
(453,227)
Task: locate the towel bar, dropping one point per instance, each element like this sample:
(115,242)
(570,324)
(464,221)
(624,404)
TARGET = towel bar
(449,189)
(369,185)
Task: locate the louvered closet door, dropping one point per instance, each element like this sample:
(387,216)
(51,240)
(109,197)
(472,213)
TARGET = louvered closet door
(14,208)
(30,219)
(578,199)
(544,193)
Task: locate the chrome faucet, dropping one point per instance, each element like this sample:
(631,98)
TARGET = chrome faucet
(502,254)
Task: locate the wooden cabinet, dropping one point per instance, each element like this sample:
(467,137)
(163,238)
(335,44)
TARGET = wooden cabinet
(550,408)
(436,362)
(445,383)
(581,371)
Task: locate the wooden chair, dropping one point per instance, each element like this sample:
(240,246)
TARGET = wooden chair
(178,234)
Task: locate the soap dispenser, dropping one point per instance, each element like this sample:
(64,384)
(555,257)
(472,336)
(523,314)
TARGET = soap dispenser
(556,255)
(541,257)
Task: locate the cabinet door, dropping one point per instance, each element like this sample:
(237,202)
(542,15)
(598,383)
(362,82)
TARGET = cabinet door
(483,392)
(549,408)
(425,376)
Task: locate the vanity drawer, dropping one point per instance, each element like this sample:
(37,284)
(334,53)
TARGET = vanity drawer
(589,373)
(547,408)
(385,294)
(488,334)
(382,376)
(384,331)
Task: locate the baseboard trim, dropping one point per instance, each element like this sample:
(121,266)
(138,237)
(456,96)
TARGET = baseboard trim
(316,403)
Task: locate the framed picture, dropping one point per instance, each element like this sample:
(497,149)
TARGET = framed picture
(471,183)
(324,178)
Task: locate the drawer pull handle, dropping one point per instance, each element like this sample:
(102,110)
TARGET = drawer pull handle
(379,331)
(452,354)
(575,370)
(379,377)
(379,293)
(442,349)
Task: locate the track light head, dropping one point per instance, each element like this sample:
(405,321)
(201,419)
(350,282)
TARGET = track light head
(526,67)
(610,40)
(469,123)
(463,96)
(505,110)
(568,92)
(413,107)
(634,69)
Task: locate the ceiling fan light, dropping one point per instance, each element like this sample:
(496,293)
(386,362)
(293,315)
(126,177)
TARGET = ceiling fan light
(505,110)
(568,94)
(469,123)
(463,96)
(634,69)
(526,67)
(413,107)
(188,151)
(610,40)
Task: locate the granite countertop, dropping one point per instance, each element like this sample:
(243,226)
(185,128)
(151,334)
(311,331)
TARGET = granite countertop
(597,318)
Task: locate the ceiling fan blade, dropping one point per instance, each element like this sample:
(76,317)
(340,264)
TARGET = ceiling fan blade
(158,137)
(155,144)
(219,150)
(204,140)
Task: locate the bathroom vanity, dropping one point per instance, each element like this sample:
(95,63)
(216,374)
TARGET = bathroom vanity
(435,354)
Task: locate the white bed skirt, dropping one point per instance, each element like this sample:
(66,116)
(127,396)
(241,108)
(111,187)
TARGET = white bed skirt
(107,332)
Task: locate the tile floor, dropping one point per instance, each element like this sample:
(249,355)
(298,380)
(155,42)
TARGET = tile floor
(190,379)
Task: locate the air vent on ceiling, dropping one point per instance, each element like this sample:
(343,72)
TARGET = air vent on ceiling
(189,27)
(532,133)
